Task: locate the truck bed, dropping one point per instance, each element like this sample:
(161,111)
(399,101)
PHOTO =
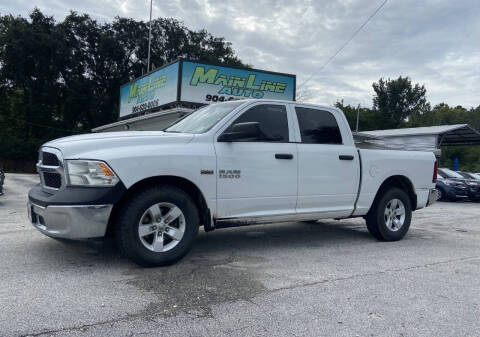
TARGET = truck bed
(379,164)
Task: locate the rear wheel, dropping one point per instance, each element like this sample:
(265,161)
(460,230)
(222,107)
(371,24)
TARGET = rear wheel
(157,226)
(390,216)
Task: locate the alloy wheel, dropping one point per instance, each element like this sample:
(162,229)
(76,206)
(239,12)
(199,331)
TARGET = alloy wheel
(161,227)
(394,214)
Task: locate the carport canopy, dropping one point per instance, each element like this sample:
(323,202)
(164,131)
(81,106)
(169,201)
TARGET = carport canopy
(457,134)
(429,138)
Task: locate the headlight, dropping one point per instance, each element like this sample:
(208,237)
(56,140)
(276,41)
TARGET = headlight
(453,182)
(90,173)
(472,183)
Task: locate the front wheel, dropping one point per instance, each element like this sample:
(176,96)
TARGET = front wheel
(442,196)
(390,216)
(157,226)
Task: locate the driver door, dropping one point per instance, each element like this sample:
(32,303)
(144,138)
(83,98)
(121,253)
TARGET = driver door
(258,177)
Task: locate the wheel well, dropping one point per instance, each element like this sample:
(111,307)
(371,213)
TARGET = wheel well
(184,184)
(402,183)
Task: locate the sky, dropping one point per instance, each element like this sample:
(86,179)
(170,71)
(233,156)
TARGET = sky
(434,42)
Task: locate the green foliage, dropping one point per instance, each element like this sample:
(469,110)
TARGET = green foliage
(399,104)
(442,114)
(63,78)
(468,157)
(398,101)
(368,118)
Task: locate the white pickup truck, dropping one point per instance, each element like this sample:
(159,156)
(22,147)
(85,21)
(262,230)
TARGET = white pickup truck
(228,164)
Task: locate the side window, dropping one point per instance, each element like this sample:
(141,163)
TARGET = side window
(272,120)
(318,126)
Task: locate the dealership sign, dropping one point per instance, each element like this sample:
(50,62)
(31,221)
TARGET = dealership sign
(149,92)
(199,83)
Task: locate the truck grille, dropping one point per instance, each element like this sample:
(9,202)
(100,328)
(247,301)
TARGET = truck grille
(49,159)
(50,168)
(53,180)
(474,188)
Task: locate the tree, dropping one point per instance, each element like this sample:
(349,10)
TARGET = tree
(397,102)
(443,114)
(62,78)
(368,118)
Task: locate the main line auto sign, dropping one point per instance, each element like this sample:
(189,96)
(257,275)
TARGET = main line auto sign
(199,83)
(203,83)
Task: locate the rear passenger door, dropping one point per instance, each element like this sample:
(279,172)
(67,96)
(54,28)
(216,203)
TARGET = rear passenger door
(328,165)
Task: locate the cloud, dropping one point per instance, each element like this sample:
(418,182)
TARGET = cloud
(435,42)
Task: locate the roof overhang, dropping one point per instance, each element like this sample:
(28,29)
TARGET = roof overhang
(134,120)
(465,135)
(447,135)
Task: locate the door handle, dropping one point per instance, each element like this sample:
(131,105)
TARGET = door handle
(283,156)
(345,157)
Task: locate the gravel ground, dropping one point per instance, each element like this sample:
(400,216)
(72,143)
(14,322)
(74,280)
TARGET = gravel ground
(329,278)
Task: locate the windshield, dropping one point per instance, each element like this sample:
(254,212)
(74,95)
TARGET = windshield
(465,175)
(475,175)
(451,174)
(469,175)
(203,119)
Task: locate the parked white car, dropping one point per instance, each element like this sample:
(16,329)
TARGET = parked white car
(228,164)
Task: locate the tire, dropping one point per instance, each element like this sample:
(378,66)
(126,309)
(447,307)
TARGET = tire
(386,224)
(157,227)
(441,194)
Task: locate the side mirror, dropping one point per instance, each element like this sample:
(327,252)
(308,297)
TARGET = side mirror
(241,131)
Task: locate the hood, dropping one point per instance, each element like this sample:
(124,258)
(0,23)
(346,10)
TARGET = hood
(94,145)
(472,182)
(460,180)
(465,180)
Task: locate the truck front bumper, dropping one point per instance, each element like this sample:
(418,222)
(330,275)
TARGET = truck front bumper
(474,193)
(72,221)
(73,212)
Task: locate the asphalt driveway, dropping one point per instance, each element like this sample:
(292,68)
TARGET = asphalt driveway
(329,278)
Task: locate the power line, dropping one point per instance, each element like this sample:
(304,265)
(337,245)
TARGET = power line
(345,44)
